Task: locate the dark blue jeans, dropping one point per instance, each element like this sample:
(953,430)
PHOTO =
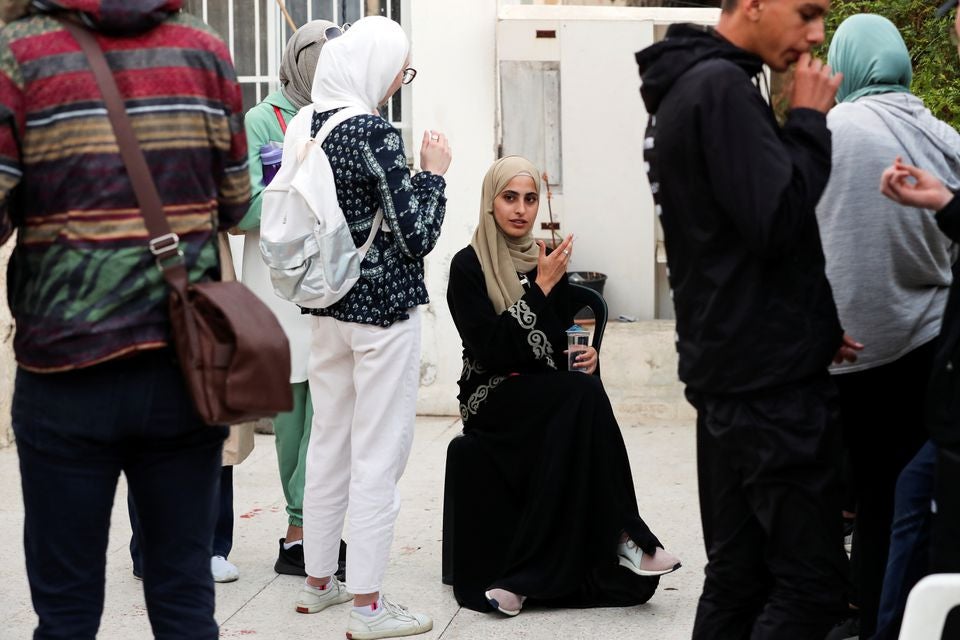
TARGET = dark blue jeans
(909,540)
(76,432)
(222,534)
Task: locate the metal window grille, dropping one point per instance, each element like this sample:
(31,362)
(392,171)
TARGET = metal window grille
(256,32)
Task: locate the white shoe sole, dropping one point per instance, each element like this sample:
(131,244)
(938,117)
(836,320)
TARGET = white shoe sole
(642,572)
(388,633)
(223,579)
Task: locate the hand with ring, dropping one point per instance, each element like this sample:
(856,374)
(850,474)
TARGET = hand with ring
(550,268)
(435,154)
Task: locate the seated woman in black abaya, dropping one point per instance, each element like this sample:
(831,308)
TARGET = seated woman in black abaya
(552,513)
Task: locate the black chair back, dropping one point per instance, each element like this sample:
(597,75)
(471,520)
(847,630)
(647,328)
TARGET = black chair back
(582,296)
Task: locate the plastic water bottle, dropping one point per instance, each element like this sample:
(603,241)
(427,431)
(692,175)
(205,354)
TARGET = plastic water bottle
(578,339)
(270,156)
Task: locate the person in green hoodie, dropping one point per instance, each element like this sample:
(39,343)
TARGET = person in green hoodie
(266,123)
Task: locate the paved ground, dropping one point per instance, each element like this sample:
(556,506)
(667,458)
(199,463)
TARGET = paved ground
(260,605)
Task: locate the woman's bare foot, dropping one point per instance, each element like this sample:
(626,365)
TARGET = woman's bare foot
(294,534)
(318,583)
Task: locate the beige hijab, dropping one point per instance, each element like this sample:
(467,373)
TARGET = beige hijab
(502,257)
(299,62)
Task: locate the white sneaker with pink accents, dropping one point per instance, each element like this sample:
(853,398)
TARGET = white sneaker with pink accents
(390,621)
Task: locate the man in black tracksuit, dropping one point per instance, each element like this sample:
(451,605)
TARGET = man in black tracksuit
(756,323)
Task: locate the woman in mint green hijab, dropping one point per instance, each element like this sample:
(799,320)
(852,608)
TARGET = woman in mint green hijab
(889,269)
(870,52)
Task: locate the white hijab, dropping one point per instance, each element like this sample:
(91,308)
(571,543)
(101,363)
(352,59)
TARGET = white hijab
(357,68)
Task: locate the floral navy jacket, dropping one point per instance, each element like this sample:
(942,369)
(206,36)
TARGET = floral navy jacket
(370,171)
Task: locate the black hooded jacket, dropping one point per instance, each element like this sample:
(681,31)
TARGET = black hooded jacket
(943,392)
(736,193)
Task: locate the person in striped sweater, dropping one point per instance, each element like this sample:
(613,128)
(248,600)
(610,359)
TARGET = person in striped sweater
(98,391)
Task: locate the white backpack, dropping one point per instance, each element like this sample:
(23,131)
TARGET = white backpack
(304,237)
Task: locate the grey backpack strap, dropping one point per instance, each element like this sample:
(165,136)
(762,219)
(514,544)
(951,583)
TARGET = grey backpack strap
(336,119)
(377,223)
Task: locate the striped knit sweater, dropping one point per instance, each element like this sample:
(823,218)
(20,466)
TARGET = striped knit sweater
(83,287)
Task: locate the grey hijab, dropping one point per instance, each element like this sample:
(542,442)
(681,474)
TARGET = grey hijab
(300,62)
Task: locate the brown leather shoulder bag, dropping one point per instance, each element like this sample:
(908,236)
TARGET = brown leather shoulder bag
(233,352)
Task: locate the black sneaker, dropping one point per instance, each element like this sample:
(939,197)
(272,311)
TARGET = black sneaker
(290,561)
(848,526)
(849,629)
(342,563)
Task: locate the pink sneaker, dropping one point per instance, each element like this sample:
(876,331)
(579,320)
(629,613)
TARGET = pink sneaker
(506,602)
(633,558)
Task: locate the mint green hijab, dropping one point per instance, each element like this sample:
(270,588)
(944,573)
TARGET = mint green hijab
(872,56)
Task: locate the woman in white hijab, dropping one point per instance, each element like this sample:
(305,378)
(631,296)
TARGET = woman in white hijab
(365,356)
(547,508)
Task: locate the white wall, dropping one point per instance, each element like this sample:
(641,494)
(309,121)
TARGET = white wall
(605,199)
(455,92)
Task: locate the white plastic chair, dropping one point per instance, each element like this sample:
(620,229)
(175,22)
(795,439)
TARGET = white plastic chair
(928,605)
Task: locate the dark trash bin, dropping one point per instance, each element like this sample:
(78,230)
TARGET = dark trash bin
(592,279)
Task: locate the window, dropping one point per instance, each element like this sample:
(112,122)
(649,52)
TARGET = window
(256,30)
(530,104)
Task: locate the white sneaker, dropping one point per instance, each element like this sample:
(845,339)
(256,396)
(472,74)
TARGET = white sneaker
(392,621)
(312,599)
(223,570)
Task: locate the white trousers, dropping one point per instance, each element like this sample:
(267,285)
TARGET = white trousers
(363,381)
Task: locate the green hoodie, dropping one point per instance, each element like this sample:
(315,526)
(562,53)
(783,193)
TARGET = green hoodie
(262,127)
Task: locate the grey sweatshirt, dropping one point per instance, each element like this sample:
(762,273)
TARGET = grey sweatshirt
(889,265)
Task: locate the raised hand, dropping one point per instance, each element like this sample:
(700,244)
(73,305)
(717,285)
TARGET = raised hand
(914,187)
(550,268)
(814,85)
(435,154)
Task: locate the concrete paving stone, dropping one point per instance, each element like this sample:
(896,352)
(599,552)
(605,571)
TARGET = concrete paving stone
(260,606)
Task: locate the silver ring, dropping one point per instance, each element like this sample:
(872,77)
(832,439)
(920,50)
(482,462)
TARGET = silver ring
(435,138)
(566,252)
